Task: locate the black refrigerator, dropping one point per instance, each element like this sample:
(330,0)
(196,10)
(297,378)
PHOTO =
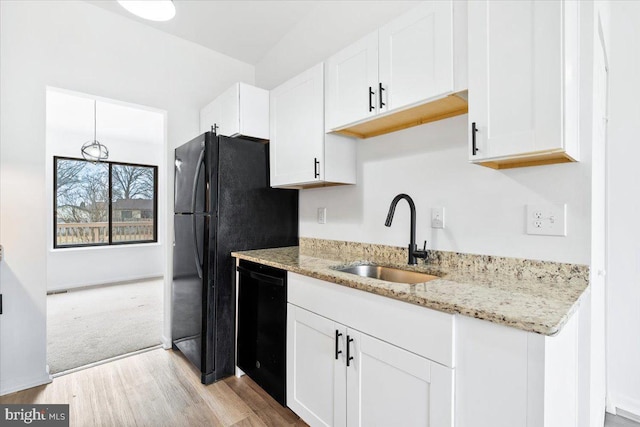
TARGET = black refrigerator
(223,203)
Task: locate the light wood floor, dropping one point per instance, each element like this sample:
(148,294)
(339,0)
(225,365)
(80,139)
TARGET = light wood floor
(157,388)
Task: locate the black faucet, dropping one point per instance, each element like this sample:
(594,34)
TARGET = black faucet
(413,250)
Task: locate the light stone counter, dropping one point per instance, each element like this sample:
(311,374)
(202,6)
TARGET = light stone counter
(534,296)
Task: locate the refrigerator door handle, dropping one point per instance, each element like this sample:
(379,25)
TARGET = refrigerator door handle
(194,187)
(196,251)
(194,227)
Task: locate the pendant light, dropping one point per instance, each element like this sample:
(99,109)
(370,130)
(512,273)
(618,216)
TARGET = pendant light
(153,10)
(94,151)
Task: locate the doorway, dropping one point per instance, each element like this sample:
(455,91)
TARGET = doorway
(106,242)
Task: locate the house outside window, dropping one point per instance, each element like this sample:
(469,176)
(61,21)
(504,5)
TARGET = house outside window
(105,203)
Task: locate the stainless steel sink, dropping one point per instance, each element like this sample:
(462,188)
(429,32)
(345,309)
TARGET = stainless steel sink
(387,273)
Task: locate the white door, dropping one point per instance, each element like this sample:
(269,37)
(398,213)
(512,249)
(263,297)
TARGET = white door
(316,378)
(296,147)
(416,56)
(352,83)
(389,386)
(515,76)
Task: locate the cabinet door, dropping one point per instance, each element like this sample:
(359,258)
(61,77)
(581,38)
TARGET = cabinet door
(296,149)
(352,83)
(515,77)
(253,111)
(416,55)
(222,112)
(387,386)
(228,120)
(316,378)
(210,115)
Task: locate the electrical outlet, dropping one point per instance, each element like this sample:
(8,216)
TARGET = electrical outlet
(322,215)
(437,217)
(547,220)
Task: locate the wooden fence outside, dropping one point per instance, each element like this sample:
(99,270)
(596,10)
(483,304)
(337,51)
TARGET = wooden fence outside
(83,233)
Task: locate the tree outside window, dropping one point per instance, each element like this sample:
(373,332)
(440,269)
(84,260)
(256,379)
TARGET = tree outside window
(104,203)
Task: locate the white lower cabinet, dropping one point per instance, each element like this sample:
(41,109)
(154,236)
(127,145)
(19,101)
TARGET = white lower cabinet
(359,359)
(339,376)
(389,386)
(316,378)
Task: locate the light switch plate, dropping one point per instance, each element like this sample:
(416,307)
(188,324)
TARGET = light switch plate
(437,217)
(322,215)
(547,220)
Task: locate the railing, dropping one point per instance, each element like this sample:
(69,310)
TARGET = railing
(83,233)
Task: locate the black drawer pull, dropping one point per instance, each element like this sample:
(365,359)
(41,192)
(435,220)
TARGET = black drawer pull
(316,167)
(371,93)
(338,335)
(474,147)
(349,357)
(380,89)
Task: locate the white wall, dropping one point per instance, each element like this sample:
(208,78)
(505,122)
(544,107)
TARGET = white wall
(485,209)
(77,46)
(623,274)
(331,26)
(133,135)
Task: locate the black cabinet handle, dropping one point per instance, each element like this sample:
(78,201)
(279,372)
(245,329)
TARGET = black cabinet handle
(474,147)
(338,335)
(261,277)
(380,89)
(371,93)
(349,357)
(316,167)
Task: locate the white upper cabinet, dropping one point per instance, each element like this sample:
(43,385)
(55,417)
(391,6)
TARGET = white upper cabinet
(300,153)
(241,110)
(352,83)
(523,94)
(416,56)
(400,75)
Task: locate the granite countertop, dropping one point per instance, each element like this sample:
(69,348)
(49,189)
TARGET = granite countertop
(539,302)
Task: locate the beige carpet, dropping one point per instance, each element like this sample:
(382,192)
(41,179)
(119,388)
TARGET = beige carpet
(95,324)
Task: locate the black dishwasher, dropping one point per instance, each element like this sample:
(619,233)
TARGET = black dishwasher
(262,326)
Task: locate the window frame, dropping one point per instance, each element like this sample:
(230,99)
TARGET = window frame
(110,206)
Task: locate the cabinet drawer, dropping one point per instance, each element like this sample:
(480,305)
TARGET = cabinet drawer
(423,331)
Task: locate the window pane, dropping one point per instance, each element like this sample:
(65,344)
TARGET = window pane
(82,209)
(133,203)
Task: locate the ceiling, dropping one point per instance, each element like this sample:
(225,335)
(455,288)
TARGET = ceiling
(244,30)
(247,30)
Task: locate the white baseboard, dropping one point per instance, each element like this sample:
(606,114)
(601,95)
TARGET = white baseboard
(166,343)
(114,281)
(239,372)
(629,415)
(8,387)
(626,407)
(610,407)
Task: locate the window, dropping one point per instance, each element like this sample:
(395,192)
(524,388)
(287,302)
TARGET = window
(105,203)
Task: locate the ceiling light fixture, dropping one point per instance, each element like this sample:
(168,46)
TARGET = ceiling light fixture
(94,151)
(153,10)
